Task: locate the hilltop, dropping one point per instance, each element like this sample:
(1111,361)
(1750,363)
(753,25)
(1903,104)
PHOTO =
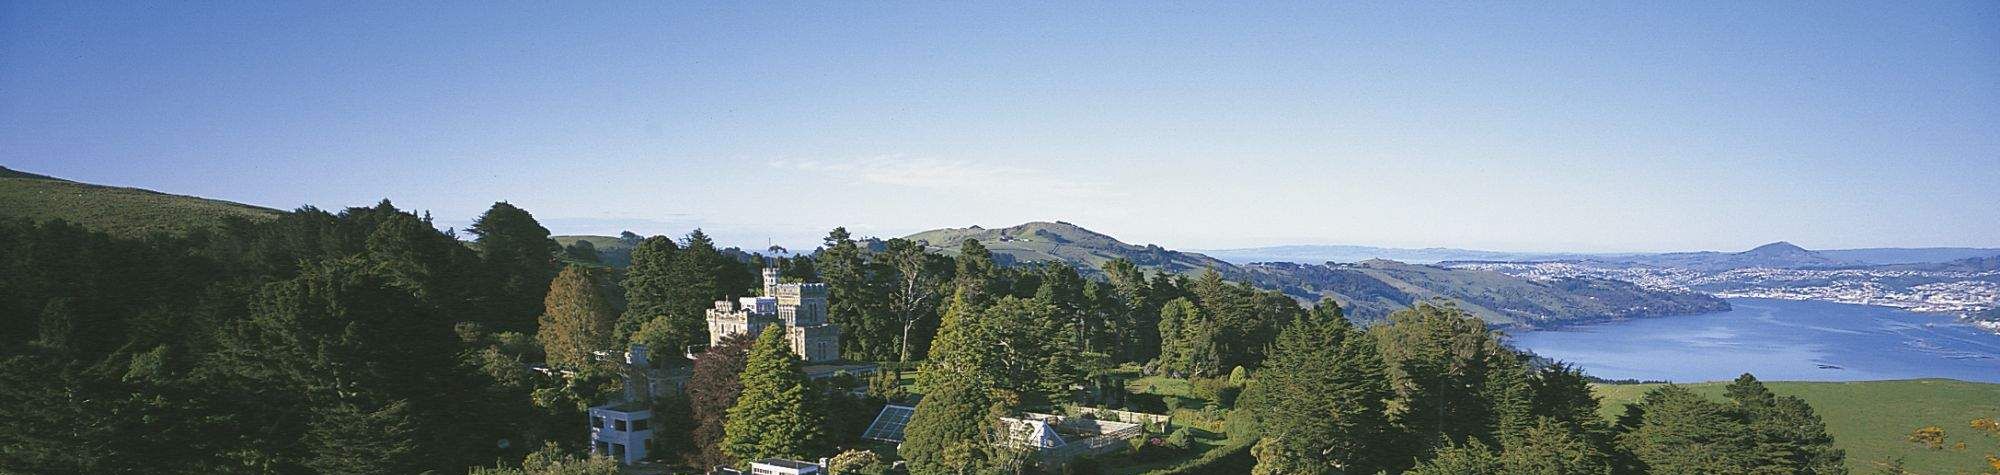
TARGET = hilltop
(1064,242)
(1369,290)
(129,212)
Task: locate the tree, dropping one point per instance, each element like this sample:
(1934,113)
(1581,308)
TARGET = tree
(1133,307)
(1324,396)
(914,297)
(712,390)
(845,273)
(772,417)
(857,462)
(1469,458)
(551,460)
(521,258)
(953,430)
(576,320)
(346,439)
(1187,340)
(1551,447)
(1452,378)
(364,362)
(649,292)
(1789,438)
(583,251)
(1562,392)
(1676,431)
(697,276)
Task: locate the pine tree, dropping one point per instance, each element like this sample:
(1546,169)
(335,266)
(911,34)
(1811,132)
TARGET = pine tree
(1562,392)
(349,440)
(1551,447)
(1452,378)
(519,254)
(773,416)
(845,273)
(1676,431)
(1131,306)
(1470,458)
(1188,337)
(1324,394)
(953,430)
(576,320)
(1789,438)
(697,276)
(647,285)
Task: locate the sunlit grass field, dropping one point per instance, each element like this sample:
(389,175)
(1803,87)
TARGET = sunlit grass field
(1872,419)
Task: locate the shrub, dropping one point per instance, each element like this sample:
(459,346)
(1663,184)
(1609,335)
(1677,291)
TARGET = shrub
(1182,439)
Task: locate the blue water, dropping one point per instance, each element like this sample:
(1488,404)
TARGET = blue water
(1777,340)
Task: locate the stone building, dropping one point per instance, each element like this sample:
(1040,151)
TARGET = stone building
(799,309)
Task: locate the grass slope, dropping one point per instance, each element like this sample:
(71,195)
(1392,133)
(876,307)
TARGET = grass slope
(1069,243)
(1870,419)
(1369,290)
(615,253)
(127,212)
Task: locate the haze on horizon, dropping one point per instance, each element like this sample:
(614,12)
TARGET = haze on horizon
(1567,127)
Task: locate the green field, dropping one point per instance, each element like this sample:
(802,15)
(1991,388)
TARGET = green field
(127,212)
(1871,419)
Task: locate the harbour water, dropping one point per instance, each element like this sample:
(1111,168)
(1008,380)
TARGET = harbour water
(1777,340)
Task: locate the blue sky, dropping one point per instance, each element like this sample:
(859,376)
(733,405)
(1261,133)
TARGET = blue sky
(1585,126)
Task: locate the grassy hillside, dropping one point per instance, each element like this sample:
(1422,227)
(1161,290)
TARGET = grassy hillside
(1372,289)
(1065,242)
(1870,419)
(615,252)
(1367,290)
(120,211)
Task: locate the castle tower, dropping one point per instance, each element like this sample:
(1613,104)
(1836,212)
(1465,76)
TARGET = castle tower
(770,281)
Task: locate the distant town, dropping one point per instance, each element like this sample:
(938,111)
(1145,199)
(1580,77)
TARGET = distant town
(1970,295)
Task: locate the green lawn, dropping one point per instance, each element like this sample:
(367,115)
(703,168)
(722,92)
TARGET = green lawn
(1870,419)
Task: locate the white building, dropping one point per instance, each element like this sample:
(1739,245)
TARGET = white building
(623,429)
(784,467)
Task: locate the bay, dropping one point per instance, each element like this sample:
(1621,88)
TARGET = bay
(1777,340)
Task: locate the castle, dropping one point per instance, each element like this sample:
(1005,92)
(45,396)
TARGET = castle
(800,309)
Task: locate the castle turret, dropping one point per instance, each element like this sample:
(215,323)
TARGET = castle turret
(770,281)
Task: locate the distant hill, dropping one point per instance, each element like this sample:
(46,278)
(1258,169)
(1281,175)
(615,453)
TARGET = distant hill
(1368,290)
(1320,253)
(1064,242)
(1911,255)
(129,212)
(1783,255)
(1371,289)
(1779,254)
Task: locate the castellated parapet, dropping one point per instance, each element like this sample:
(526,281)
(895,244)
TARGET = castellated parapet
(800,309)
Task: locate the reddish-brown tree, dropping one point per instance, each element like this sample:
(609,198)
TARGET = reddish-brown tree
(711,390)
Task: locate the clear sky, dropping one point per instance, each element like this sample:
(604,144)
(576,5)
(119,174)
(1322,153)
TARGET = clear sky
(1589,126)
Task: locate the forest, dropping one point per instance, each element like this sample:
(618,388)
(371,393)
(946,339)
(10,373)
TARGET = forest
(369,341)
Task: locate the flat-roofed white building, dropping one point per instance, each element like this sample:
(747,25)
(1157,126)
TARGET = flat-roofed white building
(622,431)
